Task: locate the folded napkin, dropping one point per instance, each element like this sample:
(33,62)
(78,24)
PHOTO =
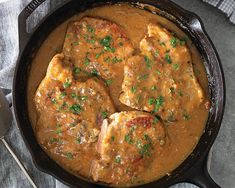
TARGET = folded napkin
(11,176)
(226,6)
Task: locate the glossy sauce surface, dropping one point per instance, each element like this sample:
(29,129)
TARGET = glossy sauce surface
(183,134)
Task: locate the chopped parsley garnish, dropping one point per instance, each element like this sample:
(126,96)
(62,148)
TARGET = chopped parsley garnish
(94,72)
(58,130)
(145,150)
(168,58)
(162,44)
(69,155)
(148,62)
(180,93)
(53,101)
(107,59)
(90,29)
(67,84)
(118,159)
(142,77)
(76,109)
(158,72)
(109,49)
(106,41)
(112,138)
(158,103)
(173,42)
(151,101)
(72,124)
(79,140)
(147,138)
(53,140)
(83,98)
(133,89)
(75,43)
(109,81)
(73,95)
(128,139)
(77,70)
(172,90)
(175,66)
(153,88)
(104,114)
(87,61)
(62,95)
(186,116)
(156,53)
(116,60)
(99,54)
(120,44)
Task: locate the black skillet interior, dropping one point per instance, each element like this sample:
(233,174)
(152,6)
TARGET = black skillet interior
(193,169)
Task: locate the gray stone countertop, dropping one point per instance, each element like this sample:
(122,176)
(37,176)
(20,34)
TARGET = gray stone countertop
(222,33)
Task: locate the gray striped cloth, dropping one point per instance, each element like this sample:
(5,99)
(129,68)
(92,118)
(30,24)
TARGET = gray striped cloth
(226,6)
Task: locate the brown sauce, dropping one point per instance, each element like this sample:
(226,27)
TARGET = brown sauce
(184,135)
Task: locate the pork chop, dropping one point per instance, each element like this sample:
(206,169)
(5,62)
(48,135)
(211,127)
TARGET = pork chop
(161,80)
(127,145)
(70,113)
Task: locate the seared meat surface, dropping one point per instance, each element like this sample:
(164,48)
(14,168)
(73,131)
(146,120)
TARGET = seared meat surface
(127,145)
(98,47)
(70,112)
(161,80)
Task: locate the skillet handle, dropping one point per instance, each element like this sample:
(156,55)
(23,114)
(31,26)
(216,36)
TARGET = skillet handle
(200,176)
(22,19)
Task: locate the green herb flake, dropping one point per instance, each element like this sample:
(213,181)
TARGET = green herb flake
(107,59)
(83,98)
(156,53)
(128,139)
(94,72)
(58,131)
(118,159)
(133,89)
(77,70)
(112,138)
(99,54)
(162,44)
(186,116)
(106,41)
(79,140)
(158,72)
(142,77)
(69,155)
(147,61)
(116,60)
(104,114)
(53,140)
(90,29)
(145,150)
(62,95)
(53,101)
(147,138)
(175,66)
(120,44)
(151,101)
(168,58)
(180,93)
(109,81)
(153,88)
(158,103)
(109,49)
(67,84)
(87,61)
(72,124)
(75,43)
(75,109)
(173,42)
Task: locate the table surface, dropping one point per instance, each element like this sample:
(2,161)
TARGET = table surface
(222,170)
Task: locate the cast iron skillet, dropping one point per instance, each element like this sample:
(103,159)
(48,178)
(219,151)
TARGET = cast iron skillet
(193,169)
